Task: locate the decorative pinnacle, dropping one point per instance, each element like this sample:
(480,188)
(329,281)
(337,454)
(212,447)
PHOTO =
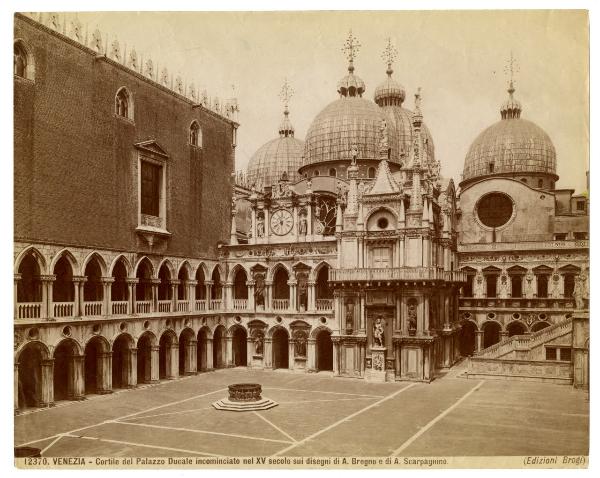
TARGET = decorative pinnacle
(418,100)
(351,48)
(389,55)
(511,68)
(286,94)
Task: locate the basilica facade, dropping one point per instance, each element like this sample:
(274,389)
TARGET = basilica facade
(139,259)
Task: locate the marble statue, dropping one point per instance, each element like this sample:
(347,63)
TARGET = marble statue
(259,340)
(260,227)
(300,339)
(379,332)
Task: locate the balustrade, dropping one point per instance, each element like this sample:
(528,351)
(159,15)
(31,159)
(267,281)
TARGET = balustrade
(324,304)
(29,310)
(143,306)
(396,273)
(215,304)
(164,306)
(119,307)
(240,304)
(281,304)
(200,305)
(92,308)
(183,306)
(63,309)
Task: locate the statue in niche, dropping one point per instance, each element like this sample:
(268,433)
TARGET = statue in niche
(260,226)
(300,340)
(379,332)
(529,284)
(504,290)
(349,315)
(303,226)
(353,154)
(259,289)
(302,278)
(308,185)
(580,292)
(478,285)
(361,189)
(412,317)
(259,341)
(383,136)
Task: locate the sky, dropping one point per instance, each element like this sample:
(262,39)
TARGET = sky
(458,58)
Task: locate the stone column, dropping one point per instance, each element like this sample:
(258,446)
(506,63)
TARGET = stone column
(479,340)
(503,334)
(174,283)
(208,284)
(78,297)
(293,306)
(154,363)
(47,301)
(229,352)
(426,315)
(311,296)
(250,284)
(209,354)
(291,349)
(227,299)
(295,228)
(311,352)
(16,386)
(336,355)
(106,297)
(191,294)
(309,220)
(132,368)
(253,225)
(447,311)
(249,353)
(191,357)
(268,353)
(155,283)
(398,316)
(362,322)
(104,373)
(268,295)
(172,362)
(77,378)
(47,385)
(16,278)
(267,224)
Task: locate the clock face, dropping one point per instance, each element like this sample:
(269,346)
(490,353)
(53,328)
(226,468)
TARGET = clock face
(281,222)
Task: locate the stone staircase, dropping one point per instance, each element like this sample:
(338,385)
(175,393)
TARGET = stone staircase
(523,357)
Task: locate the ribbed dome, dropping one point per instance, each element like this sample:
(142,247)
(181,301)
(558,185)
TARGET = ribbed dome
(278,156)
(512,145)
(390,92)
(401,119)
(344,122)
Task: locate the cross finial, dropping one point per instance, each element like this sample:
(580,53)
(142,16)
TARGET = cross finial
(351,47)
(389,55)
(286,93)
(511,68)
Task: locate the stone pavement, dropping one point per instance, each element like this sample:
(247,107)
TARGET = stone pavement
(317,415)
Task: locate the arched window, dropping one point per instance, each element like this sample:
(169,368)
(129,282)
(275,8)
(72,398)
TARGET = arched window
(371,172)
(195,134)
(316,173)
(332,172)
(23,62)
(124,104)
(540,183)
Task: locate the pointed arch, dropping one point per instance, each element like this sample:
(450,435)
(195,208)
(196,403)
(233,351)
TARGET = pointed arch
(218,268)
(95,255)
(273,270)
(202,268)
(148,263)
(123,259)
(186,268)
(124,104)
(24,61)
(316,269)
(235,269)
(37,256)
(169,265)
(68,255)
(195,137)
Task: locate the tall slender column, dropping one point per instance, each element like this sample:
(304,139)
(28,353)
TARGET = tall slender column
(250,284)
(253,225)
(174,284)
(229,352)
(209,354)
(293,306)
(191,294)
(47,385)
(155,283)
(362,311)
(267,224)
(209,285)
(16,386)
(154,364)
(228,296)
(336,354)
(268,353)
(132,368)
(106,298)
(295,230)
(309,220)
(191,352)
(426,315)
(291,348)
(78,286)
(104,372)
(47,300)
(77,382)
(172,362)
(397,318)
(312,300)
(312,355)
(249,347)
(132,304)
(268,295)
(479,340)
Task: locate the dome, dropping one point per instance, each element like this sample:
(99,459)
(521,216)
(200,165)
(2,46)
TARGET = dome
(512,145)
(341,124)
(390,91)
(278,156)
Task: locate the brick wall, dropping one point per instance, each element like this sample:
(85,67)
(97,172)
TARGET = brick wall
(75,160)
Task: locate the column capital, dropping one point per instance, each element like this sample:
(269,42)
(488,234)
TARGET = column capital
(155,281)
(80,279)
(292,282)
(17,277)
(209,282)
(228,284)
(311,283)
(174,281)
(107,280)
(191,282)
(130,280)
(47,277)
(268,282)
(250,283)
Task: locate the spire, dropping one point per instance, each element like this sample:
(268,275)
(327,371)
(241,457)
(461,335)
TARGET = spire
(511,108)
(351,85)
(285,127)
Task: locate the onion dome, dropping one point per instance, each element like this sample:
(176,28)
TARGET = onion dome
(513,146)
(277,158)
(390,95)
(351,85)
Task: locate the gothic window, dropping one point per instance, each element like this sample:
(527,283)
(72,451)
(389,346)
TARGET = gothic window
(195,134)
(371,173)
(316,173)
(150,188)
(124,104)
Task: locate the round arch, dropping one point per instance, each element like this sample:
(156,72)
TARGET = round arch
(323,349)
(468,337)
(41,346)
(540,325)
(491,332)
(145,342)
(377,209)
(121,361)
(516,327)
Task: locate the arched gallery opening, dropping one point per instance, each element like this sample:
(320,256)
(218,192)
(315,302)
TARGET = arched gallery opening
(168,340)
(239,347)
(324,351)
(144,358)
(201,351)
(280,349)
(185,345)
(491,333)
(516,328)
(30,376)
(64,369)
(94,351)
(121,357)
(218,347)
(468,339)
